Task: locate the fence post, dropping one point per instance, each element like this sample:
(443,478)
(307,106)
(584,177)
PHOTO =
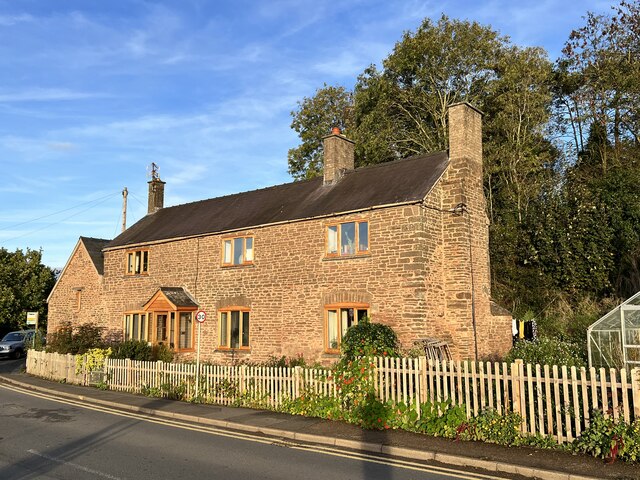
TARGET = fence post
(635,388)
(243,379)
(70,367)
(422,367)
(129,374)
(158,376)
(297,381)
(517,387)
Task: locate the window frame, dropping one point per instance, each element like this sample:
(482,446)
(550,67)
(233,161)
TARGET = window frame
(232,242)
(143,252)
(128,333)
(178,335)
(227,311)
(339,307)
(338,226)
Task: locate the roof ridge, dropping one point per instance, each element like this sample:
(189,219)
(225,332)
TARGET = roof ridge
(95,238)
(398,160)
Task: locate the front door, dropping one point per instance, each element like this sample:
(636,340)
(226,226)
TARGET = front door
(161,329)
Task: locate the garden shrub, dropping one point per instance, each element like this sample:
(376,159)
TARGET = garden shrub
(379,339)
(161,353)
(142,351)
(546,351)
(132,349)
(610,439)
(492,427)
(284,361)
(75,341)
(440,419)
(92,360)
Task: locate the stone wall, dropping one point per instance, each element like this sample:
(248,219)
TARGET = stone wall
(426,274)
(291,281)
(79,279)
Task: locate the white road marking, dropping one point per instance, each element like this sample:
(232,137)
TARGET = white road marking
(73,465)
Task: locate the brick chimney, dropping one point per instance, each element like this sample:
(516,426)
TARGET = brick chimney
(338,156)
(156,195)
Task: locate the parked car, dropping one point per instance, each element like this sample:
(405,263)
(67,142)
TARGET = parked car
(13,343)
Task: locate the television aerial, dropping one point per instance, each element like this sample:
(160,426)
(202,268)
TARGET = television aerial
(153,171)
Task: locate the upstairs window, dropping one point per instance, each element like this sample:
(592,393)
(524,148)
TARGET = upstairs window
(138,262)
(349,238)
(237,251)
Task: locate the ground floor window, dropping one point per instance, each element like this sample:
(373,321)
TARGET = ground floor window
(135,326)
(338,319)
(173,329)
(234,328)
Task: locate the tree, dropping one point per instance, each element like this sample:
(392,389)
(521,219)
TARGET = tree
(561,148)
(401,110)
(315,117)
(25,284)
(405,105)
(597,78)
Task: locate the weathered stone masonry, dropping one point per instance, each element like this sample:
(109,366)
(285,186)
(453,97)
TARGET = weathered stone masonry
(426,274)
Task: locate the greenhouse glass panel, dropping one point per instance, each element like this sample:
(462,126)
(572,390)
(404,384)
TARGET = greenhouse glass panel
(614,340)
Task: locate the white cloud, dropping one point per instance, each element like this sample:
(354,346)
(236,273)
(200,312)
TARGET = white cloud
(10,20)
(46,95)
(62,146)
(185,173)
(343,64)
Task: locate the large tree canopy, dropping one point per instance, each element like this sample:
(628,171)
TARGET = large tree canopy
(25,284)
(561,147)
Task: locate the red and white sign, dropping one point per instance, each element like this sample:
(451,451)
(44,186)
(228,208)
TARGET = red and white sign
(201,316)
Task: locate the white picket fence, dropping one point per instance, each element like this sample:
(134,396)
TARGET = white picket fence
(552,401)
(220,384)
(55,366)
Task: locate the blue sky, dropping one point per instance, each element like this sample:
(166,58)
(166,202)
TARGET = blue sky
(93,91)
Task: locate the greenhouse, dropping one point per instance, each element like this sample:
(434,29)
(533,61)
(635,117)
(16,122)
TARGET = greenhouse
(614,340)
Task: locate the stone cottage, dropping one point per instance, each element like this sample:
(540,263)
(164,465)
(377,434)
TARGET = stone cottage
(285,270)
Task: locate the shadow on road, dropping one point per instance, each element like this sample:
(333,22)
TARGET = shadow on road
(374,470)
(8,365)
(41,463)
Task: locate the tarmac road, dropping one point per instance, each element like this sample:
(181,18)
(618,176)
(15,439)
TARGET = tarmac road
(49,438)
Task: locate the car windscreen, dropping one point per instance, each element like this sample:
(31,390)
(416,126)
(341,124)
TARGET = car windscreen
(13,337)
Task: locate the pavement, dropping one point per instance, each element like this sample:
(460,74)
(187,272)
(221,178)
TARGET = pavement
(527,462)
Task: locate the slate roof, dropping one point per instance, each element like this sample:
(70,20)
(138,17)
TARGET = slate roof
(94,246)
(179,297)
(401,181)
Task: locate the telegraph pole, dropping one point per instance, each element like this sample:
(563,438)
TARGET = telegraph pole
(125,192)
